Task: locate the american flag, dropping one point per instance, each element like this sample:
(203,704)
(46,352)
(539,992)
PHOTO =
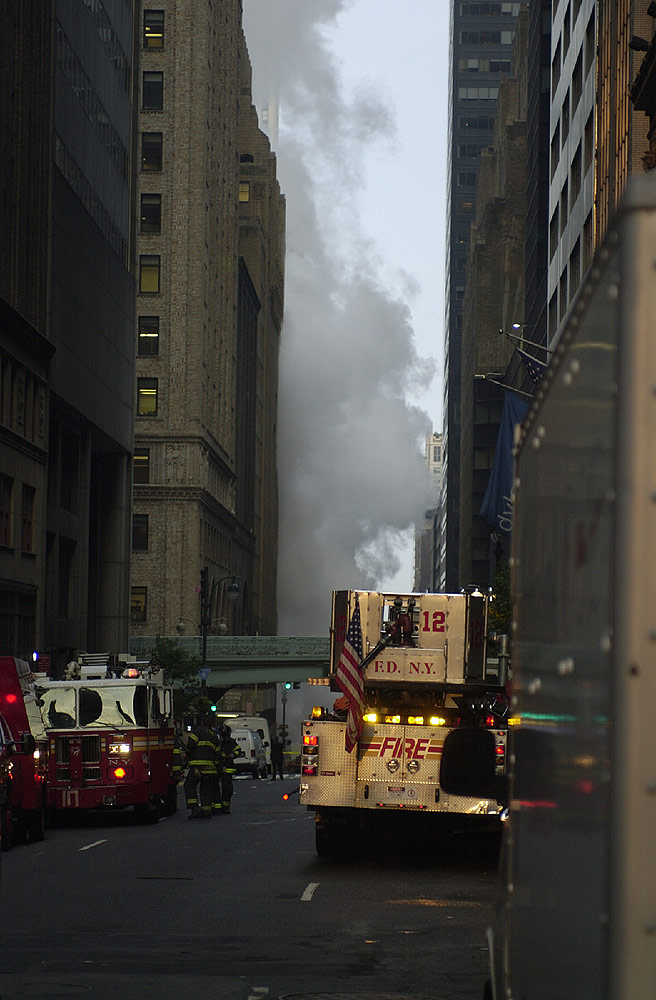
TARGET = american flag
(535,368)
(349,677)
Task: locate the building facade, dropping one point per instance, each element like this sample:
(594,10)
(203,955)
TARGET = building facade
(482,36)
(67,311)
(209,312)
(425,532)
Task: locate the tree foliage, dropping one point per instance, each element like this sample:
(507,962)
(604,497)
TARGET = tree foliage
(500,608)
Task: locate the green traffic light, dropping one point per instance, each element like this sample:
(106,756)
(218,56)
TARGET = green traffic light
(288,685)
(212,708)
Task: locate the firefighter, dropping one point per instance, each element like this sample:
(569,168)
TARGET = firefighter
(228,751)
(178,765)
(203,747)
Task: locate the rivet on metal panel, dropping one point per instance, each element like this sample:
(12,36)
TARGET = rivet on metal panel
(567,378)
(565,666)
(613,293)
(541,431)
(575,366)
(535,443)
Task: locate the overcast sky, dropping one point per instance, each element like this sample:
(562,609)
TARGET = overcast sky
(362,88)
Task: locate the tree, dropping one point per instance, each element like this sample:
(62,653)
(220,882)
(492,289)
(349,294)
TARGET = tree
(500,615)
(180,670)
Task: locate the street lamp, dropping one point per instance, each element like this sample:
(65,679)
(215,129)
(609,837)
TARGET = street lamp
(207,591)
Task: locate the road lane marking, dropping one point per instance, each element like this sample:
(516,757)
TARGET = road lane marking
(89,846)
(435,902)
(309,891)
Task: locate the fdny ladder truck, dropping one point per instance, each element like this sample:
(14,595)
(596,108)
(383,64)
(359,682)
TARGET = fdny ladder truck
(110,730)
(425,673)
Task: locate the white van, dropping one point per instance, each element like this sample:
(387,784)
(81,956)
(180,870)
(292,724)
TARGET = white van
(253,758)
(258,725)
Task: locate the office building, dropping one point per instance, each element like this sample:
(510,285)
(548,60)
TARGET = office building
(67,315)
(209,314)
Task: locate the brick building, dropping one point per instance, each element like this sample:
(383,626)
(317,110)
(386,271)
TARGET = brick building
(209,311)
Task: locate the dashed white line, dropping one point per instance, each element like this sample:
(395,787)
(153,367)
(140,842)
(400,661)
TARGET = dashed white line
(89,846)
(309,892)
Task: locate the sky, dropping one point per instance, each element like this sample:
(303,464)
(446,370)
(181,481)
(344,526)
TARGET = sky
(362,90)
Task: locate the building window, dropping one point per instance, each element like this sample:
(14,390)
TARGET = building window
(244,191)
(151,213)
(27,519)
(6,503)
(589,141)
(153,92)
(149,269)
(147,397)
(141,466)
(151,151)
(138,603)
(148,336)
(153,29)
(140,532)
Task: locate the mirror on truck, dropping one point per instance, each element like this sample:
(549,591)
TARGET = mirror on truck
(469,765)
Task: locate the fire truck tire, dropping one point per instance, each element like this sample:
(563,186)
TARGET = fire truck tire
(170,801)
(147,813)
(35,823)
(6,825)
(327,841)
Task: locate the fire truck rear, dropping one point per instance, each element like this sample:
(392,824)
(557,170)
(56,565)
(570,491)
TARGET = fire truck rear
(425,673)
(23,747)
(110,730)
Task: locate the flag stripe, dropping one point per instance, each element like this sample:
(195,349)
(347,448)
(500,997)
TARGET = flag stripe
(349,677)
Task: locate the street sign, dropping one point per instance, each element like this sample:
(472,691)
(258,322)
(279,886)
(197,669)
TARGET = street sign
(204,673)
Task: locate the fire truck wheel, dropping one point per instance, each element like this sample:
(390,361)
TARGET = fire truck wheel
(6,825)
(326,841)
(35,821)
(170,802)
(147,813)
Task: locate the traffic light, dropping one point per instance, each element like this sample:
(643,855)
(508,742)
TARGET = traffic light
(297,685)
(288,685)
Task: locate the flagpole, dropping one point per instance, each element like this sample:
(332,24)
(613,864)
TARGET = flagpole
(509,388)
(522,340)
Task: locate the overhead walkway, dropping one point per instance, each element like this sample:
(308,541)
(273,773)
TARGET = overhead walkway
(251,659)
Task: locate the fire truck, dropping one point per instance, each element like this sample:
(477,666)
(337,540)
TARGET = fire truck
(110,730)
(23,747)
(425,672)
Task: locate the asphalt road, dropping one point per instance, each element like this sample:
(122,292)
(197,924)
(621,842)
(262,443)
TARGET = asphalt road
(238,908)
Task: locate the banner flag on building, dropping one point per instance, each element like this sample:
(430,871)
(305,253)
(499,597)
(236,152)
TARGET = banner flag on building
(350,679)
(535,368)
(497,506)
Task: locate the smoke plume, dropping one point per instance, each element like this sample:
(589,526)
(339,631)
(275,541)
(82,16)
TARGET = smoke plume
(351,468)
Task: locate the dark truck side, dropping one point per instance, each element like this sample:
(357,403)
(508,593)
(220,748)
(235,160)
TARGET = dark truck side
(23,749)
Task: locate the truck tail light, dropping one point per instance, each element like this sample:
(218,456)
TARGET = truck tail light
(310,759)
(500,754)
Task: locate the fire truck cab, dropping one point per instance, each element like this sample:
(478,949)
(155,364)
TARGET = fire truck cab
(110,729)
(23,747)
(425,673)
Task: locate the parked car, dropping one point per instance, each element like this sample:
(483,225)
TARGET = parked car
(253,759)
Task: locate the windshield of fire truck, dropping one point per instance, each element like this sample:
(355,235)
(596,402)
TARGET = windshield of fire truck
(58,707)
(117,705)
(113,706)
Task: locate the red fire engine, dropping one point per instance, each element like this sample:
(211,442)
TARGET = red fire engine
(23,748)
(110,729)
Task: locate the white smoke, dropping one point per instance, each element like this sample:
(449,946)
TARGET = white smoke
(351,467)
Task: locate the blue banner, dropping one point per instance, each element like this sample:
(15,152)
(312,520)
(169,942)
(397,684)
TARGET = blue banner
(497,506)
